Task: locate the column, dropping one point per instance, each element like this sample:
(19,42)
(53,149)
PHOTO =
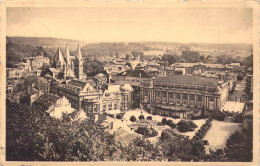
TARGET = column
(167,97)
(188,99)
(181,99)
(174,98)
(195,100)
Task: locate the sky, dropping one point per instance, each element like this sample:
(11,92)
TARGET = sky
(184,25)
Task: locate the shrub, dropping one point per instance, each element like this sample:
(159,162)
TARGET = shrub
(169,122)
(118,116)
(154,113)
(167,134)
(147,132)
(141,117)
(149,117)
(184,125)
(172,125)
(218,115)
(132,118)
(164,121)
(176,117)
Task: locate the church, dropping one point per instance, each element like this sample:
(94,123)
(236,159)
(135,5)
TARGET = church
(66,67)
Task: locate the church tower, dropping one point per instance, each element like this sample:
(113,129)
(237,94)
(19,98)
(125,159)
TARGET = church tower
(58,60)
(78,65)
(68,61)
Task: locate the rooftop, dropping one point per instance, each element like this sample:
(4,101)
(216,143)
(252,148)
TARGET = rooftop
(185,79)
(135,73)
(77,83)
(46,100)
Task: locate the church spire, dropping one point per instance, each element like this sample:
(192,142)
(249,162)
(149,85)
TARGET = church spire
(68,57)
(79,56)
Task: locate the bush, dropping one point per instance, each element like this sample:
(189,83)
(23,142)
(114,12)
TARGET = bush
(147,132)
(141,117)
(184,125)
(172,125)
(176,117)
(118,116)
(169,122)
(132,118)
(149,117)
(164,121)
(218,115)
(154,113)
(167,134)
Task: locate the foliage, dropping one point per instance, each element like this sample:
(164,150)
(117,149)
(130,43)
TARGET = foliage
(147,132)
(172,125)
(141,117)
(203,130)
(164,121)
(132,118)
(34,135)
(171,59)
(169,122)
(119,116)
(177,147)
(149,117)
(191,56)
(186,125)
(218,115)
(239,147)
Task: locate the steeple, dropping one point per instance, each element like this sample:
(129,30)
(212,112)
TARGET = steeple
(79,65)
(58,56)
(68,57)
(79,56)
(58,60)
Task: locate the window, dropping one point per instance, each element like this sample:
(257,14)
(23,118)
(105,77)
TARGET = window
(164,94)
(115,106)
(192,97)
(110,106)
(104,107)
(199,98)
(185,96)
(178,96)
(146,93)
(157,94)
(170,95)
(211,99)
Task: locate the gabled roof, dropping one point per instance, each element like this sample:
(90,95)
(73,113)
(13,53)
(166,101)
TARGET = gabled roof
(135,73)
(46,100)
(42,80)
(77,83)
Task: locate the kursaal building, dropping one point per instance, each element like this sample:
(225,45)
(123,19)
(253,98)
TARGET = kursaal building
(181,95)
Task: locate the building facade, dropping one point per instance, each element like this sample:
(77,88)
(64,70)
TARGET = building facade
(181,95)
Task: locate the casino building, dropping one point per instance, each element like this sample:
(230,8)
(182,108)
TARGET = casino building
(180,95)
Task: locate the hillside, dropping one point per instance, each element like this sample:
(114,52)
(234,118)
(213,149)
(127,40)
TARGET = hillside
(45,41)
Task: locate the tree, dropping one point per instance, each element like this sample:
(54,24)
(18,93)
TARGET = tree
(149,117)
(186,125)
(132,118)
(118,116)
(141,117)
(169,122)
(164,121)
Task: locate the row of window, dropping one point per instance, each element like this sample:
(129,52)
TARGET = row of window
(158,95)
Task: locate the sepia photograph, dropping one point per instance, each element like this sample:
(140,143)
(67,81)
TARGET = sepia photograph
(130,83)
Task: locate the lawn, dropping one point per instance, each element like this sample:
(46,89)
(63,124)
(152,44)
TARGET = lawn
(219,133)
